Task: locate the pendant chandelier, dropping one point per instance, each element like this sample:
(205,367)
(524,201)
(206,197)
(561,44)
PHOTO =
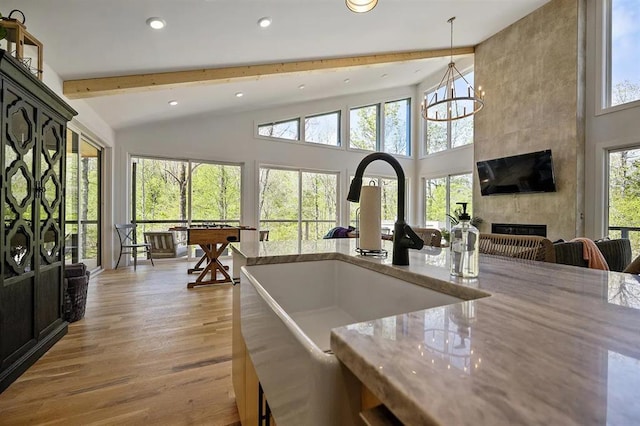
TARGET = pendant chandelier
(448,102)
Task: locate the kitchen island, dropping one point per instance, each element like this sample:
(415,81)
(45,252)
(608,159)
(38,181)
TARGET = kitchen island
(551,344)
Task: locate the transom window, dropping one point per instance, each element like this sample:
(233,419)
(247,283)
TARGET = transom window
(623,50)
(323,128)
(365,127)
(289,129)
(383,126)
(442,135)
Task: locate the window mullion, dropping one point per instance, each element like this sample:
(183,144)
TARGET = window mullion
(607,36)
(189,192)
(302,136)
(380,126)
(449,126)
(299,205)
(448,197)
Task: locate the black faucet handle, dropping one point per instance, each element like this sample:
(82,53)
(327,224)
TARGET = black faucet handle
(415,241)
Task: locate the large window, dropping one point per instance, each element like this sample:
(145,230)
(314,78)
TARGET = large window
(365,133)
(215,192)
(297,204)
(442,135)
(623,67)
(82,195)
(177,192)
(441,196)
(397,127)
(624,196)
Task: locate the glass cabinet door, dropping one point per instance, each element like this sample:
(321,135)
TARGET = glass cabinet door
(19,163)
(51,192)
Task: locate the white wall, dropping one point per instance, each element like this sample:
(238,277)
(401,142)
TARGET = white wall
(87,118)
(233,139)
(604,130)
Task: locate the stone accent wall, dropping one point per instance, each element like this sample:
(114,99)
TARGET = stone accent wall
(533,76)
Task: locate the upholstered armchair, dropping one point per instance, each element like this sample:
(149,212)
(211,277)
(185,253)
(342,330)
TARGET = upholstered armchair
(165,244)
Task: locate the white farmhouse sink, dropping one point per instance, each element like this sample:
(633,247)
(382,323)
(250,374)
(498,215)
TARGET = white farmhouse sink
(287,313)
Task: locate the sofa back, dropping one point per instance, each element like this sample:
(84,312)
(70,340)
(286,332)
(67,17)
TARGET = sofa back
(616,252)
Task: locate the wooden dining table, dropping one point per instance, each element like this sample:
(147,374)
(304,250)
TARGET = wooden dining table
(213,240)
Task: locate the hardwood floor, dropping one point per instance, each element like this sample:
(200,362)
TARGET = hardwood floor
(149,351)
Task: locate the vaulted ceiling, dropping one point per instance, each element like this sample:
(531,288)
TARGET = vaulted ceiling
(101,38)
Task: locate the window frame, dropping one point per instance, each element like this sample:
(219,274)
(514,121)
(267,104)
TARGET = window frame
(408,126)
(133,157)
(94,142)
(378,128)
(303,135)
(604,57)
(344,125)
(299,171)
(448,205)
(273,123)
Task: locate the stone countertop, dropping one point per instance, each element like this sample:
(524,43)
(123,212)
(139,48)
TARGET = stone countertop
(552,344)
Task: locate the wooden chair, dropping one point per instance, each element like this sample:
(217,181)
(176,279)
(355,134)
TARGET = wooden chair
(529,247)
(431,236)
(127,236)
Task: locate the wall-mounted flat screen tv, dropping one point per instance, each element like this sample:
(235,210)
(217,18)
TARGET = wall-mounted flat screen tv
(532,172)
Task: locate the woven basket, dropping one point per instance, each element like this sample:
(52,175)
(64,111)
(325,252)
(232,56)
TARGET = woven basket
(76,285)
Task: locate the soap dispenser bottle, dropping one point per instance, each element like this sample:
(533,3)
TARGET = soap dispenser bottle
(464,246)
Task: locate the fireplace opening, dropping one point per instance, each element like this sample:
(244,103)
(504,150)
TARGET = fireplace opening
(518,229)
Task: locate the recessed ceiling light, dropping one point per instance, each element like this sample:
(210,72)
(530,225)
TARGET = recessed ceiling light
(301,87)
(361,6)
(239,94)
(264,22)
(173,102)
(346,80)
(156,23)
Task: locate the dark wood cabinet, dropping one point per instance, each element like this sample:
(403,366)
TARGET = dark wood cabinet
(32,154)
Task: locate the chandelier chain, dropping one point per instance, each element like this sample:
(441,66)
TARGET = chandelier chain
(451,51)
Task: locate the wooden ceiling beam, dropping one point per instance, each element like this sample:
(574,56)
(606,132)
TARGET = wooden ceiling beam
(103,86)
